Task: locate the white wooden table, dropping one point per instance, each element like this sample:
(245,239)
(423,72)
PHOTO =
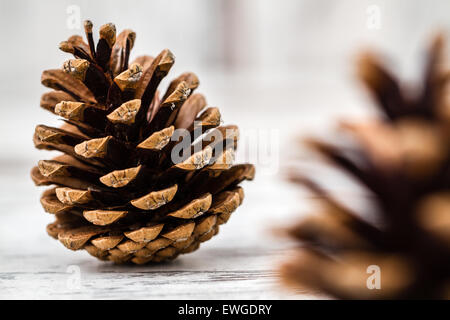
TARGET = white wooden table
(240,263)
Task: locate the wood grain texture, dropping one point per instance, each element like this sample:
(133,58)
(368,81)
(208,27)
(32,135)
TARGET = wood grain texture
(240,263)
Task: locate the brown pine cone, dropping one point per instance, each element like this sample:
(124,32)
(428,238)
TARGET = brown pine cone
(403,160)
(118,192)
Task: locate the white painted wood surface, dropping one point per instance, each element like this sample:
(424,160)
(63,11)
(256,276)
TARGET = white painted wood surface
(239,263)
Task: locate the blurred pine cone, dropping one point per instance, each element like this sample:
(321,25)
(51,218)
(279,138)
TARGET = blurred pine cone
(403,159)
(118,193)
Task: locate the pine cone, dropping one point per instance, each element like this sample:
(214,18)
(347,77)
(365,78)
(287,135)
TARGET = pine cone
(118,193)
(403,159)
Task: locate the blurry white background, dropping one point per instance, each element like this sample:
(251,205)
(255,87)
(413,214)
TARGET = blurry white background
(249,54)
(268,62)
(282,65)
